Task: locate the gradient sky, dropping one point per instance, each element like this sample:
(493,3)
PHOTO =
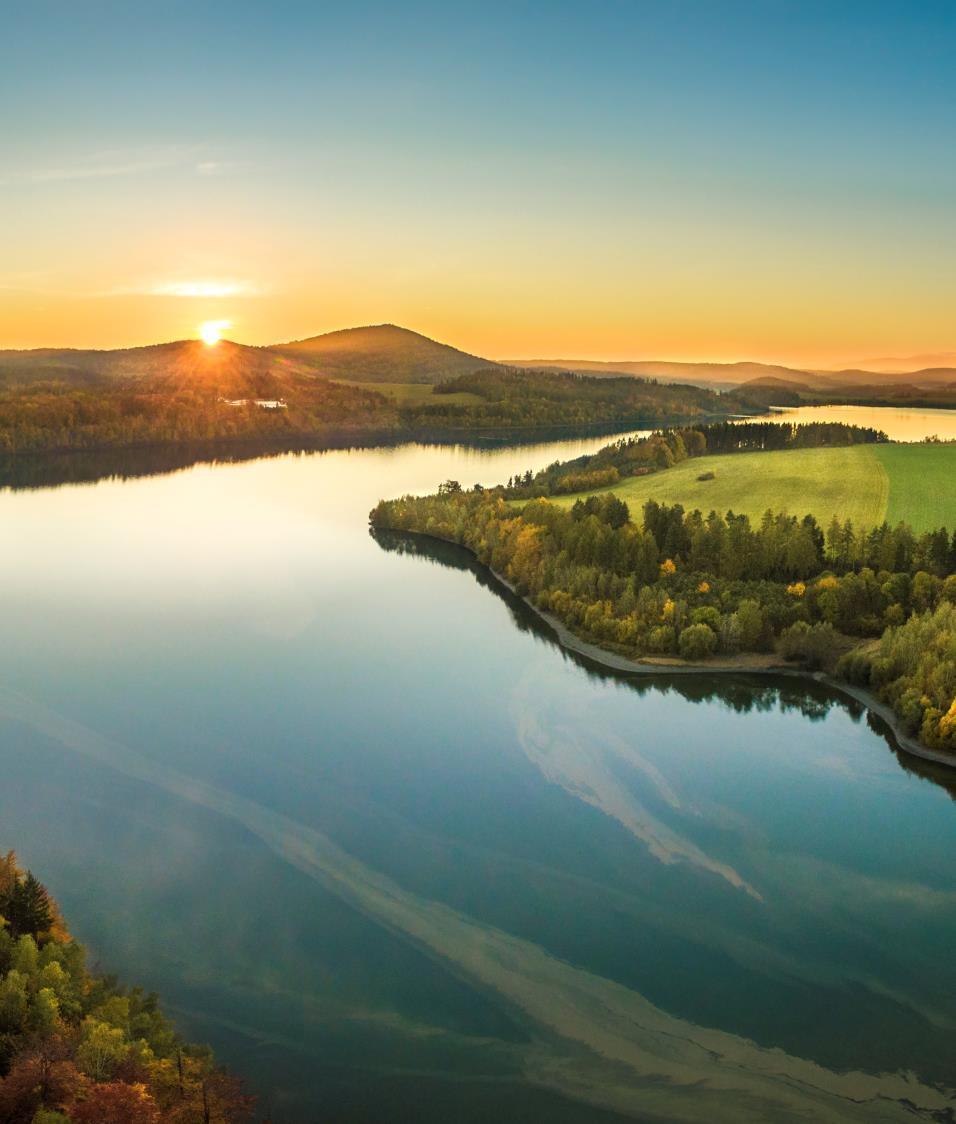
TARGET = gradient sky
(606,180)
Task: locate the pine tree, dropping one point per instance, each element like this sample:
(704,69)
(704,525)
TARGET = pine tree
(28,908)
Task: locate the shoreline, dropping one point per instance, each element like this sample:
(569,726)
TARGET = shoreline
(360,434)
(612,661)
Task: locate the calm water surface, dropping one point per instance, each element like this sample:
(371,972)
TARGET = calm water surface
(398,858)
(897,424)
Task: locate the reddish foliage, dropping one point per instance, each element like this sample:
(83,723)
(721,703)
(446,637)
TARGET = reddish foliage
(115,1103)
(34,1080)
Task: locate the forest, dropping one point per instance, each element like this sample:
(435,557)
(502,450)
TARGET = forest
(875,605)
(57,417)
(514,396)
(202,400)
(78,1048)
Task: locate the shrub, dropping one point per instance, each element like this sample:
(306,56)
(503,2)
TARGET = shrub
(661,640)
(750,621)
(707,615)
(585,481)
(697,642)
(813,645)
(854,667)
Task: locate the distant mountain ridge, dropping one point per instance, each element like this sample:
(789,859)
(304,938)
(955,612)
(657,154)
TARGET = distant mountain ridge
(387,353)
(908,364)
(378,353)
(666,370)
(732,375)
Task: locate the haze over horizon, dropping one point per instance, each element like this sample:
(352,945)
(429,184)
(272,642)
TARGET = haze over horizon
(703,182)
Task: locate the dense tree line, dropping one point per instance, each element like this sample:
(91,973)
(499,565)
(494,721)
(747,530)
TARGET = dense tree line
(514,396)
(684,584)
(59,417)
(725,437)
(638,456)
(76,1048)
(215,398)
(181,393)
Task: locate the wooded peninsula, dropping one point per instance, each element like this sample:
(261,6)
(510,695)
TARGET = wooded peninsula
(874,605)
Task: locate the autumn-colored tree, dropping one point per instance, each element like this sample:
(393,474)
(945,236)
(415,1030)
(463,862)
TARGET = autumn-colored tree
(77,1048)
(191,1094)
(115,1102)
(44,1077)
(8,873)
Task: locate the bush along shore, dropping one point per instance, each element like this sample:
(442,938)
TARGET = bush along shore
(874,608)
(77,1047)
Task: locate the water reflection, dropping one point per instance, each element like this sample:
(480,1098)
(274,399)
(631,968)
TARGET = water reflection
(742,693)
(398,856)
(693,805)
(45,470)
(897,422)
(594,1040)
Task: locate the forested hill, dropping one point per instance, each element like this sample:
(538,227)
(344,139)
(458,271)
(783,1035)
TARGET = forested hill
(77,1048)
(388,354)
(183,361)
(382,353)
(516,397)
(217,395)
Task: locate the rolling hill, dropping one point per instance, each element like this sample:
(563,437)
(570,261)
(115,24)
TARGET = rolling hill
(185,362)
(387,353)
(382,353)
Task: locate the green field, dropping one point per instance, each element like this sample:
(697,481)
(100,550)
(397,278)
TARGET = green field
(865,483)
(922,484)
(414,393)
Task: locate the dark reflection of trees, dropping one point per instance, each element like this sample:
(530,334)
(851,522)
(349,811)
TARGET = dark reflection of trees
(746,694)
(78,466)
(45,470)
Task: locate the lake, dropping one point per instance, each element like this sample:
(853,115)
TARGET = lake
(898,424)
(398,857)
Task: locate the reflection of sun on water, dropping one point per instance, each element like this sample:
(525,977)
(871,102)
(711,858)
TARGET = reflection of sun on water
(210,331)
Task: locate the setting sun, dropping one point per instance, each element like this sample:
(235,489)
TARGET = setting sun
(210,331)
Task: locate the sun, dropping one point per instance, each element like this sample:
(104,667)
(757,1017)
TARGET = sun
(210,331)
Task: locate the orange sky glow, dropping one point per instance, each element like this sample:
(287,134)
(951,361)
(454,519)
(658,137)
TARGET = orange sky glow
(515,317)
(641,185)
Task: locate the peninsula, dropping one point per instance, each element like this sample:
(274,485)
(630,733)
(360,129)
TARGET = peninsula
(871,605)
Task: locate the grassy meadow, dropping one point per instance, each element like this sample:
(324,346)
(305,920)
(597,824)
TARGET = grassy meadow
(414,393)
(865,483)
(922,484)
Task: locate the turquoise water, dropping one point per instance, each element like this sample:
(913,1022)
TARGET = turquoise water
(374,836)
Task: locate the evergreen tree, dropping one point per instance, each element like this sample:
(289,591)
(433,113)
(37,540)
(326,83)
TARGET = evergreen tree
(27,908)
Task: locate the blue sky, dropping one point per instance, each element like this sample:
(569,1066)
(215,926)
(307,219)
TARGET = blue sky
(706,178)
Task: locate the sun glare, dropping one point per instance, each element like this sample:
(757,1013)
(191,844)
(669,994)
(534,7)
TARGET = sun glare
(210,331)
